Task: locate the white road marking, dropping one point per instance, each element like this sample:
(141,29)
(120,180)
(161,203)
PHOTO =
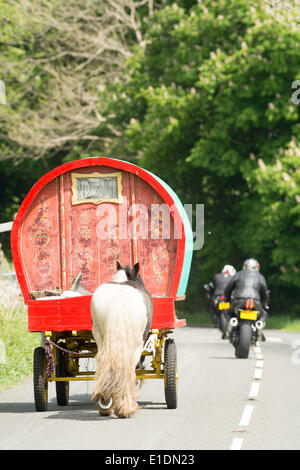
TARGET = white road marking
(237,443)
(258,374)
(254,390)
(248,410)
(246,416)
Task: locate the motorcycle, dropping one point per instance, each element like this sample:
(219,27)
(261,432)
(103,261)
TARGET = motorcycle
(219,306)
(245,329)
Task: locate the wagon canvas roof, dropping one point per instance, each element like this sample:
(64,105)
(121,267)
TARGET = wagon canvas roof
(52,236)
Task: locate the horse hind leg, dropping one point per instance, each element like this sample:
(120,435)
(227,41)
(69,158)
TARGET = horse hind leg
(125,401)
(126,405)
(105,408)
(104,402)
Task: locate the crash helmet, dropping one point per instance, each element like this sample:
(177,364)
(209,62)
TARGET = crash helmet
(228,269)
(252,264)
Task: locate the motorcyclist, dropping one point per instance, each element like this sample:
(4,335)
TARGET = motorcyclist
(248,284)
(216,290)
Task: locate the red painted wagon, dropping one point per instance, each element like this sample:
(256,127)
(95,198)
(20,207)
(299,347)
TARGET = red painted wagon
(83,217)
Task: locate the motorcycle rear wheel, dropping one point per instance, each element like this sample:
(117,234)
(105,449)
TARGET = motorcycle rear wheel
(244,341)
(223,323)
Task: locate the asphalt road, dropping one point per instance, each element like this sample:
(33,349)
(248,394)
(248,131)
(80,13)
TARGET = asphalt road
(224,403)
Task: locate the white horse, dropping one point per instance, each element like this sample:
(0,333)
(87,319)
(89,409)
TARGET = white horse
(121,314)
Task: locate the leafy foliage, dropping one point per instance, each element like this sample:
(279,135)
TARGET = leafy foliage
(208,107)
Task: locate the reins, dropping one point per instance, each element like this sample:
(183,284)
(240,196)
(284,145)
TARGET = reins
(50,356)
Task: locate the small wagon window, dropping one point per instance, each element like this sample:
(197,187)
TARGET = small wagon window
(96,188)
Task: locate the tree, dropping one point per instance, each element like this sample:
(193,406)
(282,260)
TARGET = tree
(209,99)
(54,59)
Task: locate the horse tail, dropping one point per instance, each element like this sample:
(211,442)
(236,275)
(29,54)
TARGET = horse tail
(121,323)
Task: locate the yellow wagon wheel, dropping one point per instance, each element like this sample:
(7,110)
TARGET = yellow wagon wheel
(170,374)
(40,379)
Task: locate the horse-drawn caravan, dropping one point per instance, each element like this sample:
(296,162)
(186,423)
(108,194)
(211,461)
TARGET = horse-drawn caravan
(71,230)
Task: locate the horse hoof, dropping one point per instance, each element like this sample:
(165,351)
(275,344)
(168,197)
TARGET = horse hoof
(103,406)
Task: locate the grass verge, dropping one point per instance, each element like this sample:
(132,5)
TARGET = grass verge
(286,323)
(16,346)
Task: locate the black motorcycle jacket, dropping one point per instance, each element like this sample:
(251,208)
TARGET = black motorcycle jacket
(219,282)
(248,284)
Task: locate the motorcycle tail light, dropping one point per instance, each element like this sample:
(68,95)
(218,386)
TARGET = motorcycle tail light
(249,304)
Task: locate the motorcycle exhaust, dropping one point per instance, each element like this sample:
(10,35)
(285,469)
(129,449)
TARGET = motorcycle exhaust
(259,325)
(233,323)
